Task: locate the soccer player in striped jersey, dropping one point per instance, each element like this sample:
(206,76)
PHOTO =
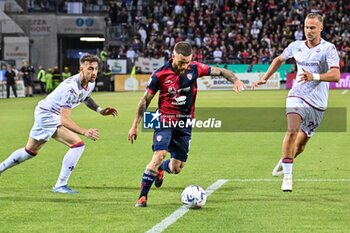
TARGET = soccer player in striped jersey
(53,120)
(176,82)
(317,61)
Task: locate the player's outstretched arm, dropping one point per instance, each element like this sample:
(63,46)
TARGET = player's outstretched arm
(141,108)
(67,122)
(333,75)
(276,63)
(238,85)
(90,103)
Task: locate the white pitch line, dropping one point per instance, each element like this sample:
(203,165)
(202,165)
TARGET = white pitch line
(298,180)
(344,92)
(160,227)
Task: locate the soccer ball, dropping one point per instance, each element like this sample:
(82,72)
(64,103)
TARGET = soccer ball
(193,197)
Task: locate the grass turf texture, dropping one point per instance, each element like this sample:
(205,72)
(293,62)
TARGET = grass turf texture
(109,172)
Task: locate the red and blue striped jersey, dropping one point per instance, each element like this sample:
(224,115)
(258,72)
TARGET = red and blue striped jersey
(177,94)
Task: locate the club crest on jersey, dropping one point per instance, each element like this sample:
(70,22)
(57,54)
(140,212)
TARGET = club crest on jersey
(172,91)
(159,138)
(189,76)
(69,99)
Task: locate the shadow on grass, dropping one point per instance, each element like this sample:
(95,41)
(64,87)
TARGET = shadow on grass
(64,199)
(103,187)
(44,195)
(136,188)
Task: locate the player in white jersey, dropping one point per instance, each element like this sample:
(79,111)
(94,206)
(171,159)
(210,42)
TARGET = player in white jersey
(318,64)
(53,119)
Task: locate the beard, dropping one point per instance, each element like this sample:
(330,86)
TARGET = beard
(180,72)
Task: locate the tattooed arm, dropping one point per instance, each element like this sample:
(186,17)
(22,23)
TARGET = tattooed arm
(230,76)
(141,108)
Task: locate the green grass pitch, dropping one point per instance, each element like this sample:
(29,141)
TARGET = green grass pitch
(109,172)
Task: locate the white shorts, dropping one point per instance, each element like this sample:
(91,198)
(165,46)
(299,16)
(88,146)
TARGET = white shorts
(311,117)
(45,124)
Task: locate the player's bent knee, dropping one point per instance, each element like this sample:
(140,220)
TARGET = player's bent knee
(177,170)
(160,154)
(155,164)
(158,157)
(291,135)
(292,131)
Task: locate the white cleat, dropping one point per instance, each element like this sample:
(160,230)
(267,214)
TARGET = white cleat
(287,183)
(64,189)
(278,170)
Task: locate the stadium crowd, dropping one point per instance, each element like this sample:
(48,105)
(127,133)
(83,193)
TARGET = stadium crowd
(223,31)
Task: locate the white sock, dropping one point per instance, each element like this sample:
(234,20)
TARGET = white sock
(16,158)
(287,168)
(70,160)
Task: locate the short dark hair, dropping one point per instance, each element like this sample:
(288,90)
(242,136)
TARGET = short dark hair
(89,58)
(183,48)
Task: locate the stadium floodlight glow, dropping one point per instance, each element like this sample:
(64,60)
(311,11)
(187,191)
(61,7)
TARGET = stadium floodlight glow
(92,39)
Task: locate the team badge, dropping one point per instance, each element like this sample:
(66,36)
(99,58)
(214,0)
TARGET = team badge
(159,138)
(189,76)
(69,99)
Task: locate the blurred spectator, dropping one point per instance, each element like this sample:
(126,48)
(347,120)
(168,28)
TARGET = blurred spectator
(113,54)
(299,34)
(121,52)
(10,78)
(66,73)
(48,79)
(41,79)
(16,71)
(107,73)
(27,73)
(56,77)
(255,31)
(103,57)
(143,34)
(217,54)
(131,55)
(137,44)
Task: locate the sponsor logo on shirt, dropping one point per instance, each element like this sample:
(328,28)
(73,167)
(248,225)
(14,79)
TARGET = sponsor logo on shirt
(307,63)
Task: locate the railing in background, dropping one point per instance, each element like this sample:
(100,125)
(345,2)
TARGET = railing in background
(119,35)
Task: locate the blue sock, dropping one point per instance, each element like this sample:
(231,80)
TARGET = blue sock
(165,166)
(147,180)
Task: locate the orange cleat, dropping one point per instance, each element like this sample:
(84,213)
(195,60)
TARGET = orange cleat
(141,202)
(159,179)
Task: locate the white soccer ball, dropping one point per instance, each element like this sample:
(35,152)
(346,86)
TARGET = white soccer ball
(193,197)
